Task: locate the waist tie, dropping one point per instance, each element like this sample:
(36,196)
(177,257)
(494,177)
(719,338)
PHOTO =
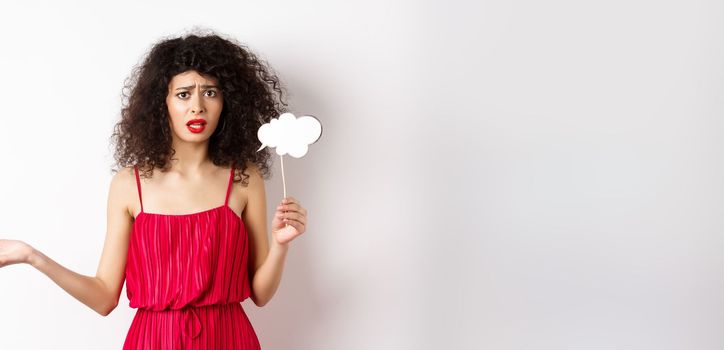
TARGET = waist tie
(191,323)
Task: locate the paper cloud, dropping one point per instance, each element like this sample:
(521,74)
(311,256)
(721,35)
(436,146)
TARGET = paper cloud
(290,135)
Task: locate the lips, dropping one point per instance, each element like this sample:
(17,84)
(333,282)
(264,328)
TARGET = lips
(196,121)
(196,125)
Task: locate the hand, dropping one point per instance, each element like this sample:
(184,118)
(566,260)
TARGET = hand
(14,252)
(289,212)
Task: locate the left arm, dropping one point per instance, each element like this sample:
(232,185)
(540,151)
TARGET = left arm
(268,261)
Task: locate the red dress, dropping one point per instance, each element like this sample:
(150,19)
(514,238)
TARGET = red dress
(187,275)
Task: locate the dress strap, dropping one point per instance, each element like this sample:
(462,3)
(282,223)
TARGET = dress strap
(228,190)
(138,185)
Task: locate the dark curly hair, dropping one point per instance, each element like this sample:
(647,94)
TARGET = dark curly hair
(252,96)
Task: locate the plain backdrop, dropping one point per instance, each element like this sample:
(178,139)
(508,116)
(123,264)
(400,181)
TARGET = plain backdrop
(492,174)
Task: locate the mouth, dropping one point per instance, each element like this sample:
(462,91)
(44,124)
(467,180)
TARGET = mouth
(196,125)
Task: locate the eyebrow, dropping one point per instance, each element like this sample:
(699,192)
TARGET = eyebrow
(203,86)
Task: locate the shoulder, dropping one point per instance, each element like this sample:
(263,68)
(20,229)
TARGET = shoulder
(252,169)
(123,177)
(254,178)
(122,188)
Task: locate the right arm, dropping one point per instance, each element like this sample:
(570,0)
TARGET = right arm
(102,291)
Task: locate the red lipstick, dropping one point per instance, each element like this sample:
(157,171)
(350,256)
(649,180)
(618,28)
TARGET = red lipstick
(196,125)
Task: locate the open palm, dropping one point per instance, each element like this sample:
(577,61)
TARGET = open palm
(14,252)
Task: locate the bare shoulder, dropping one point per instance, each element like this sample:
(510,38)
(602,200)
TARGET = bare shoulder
(249,177)
(254,180)
(124,173)
(253,187)
(253,171)
(122,190)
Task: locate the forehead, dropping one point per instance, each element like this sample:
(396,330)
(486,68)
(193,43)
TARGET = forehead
(191,78)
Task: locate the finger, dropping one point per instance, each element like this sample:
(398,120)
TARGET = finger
(296,217)
(283,217)
(290,200)
(289,222)
(299,227)
(289,207)
(295,207)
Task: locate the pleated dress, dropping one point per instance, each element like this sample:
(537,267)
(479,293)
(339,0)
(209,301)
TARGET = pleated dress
(187,275)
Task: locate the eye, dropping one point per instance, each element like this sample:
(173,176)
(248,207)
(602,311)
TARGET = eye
(213,93)
(181,93)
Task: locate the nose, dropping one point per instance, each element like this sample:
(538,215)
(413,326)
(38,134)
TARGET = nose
(197,104)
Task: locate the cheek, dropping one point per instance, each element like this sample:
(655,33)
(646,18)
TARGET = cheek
(174,124)
(175,113)
(174,108)
(217,105)
(215,109)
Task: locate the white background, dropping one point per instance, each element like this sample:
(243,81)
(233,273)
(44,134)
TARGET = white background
(492,175)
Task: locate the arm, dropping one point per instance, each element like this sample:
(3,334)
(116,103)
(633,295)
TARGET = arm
(268,262)
(99,292)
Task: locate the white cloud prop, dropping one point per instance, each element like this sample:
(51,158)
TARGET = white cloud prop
(290,135)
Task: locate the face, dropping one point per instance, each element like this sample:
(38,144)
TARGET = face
(194,106)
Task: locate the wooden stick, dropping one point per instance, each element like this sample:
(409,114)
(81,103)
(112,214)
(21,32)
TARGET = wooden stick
(284,182)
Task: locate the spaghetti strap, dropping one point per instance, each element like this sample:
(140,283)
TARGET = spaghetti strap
(138,185)
(228,190)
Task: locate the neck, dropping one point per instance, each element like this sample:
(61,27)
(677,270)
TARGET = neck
(190,158)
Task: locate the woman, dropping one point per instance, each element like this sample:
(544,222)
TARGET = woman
(187,139)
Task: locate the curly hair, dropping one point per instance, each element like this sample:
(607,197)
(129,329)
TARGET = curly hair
(252,96)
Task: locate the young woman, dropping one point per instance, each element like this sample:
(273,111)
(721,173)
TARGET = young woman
(187,226)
